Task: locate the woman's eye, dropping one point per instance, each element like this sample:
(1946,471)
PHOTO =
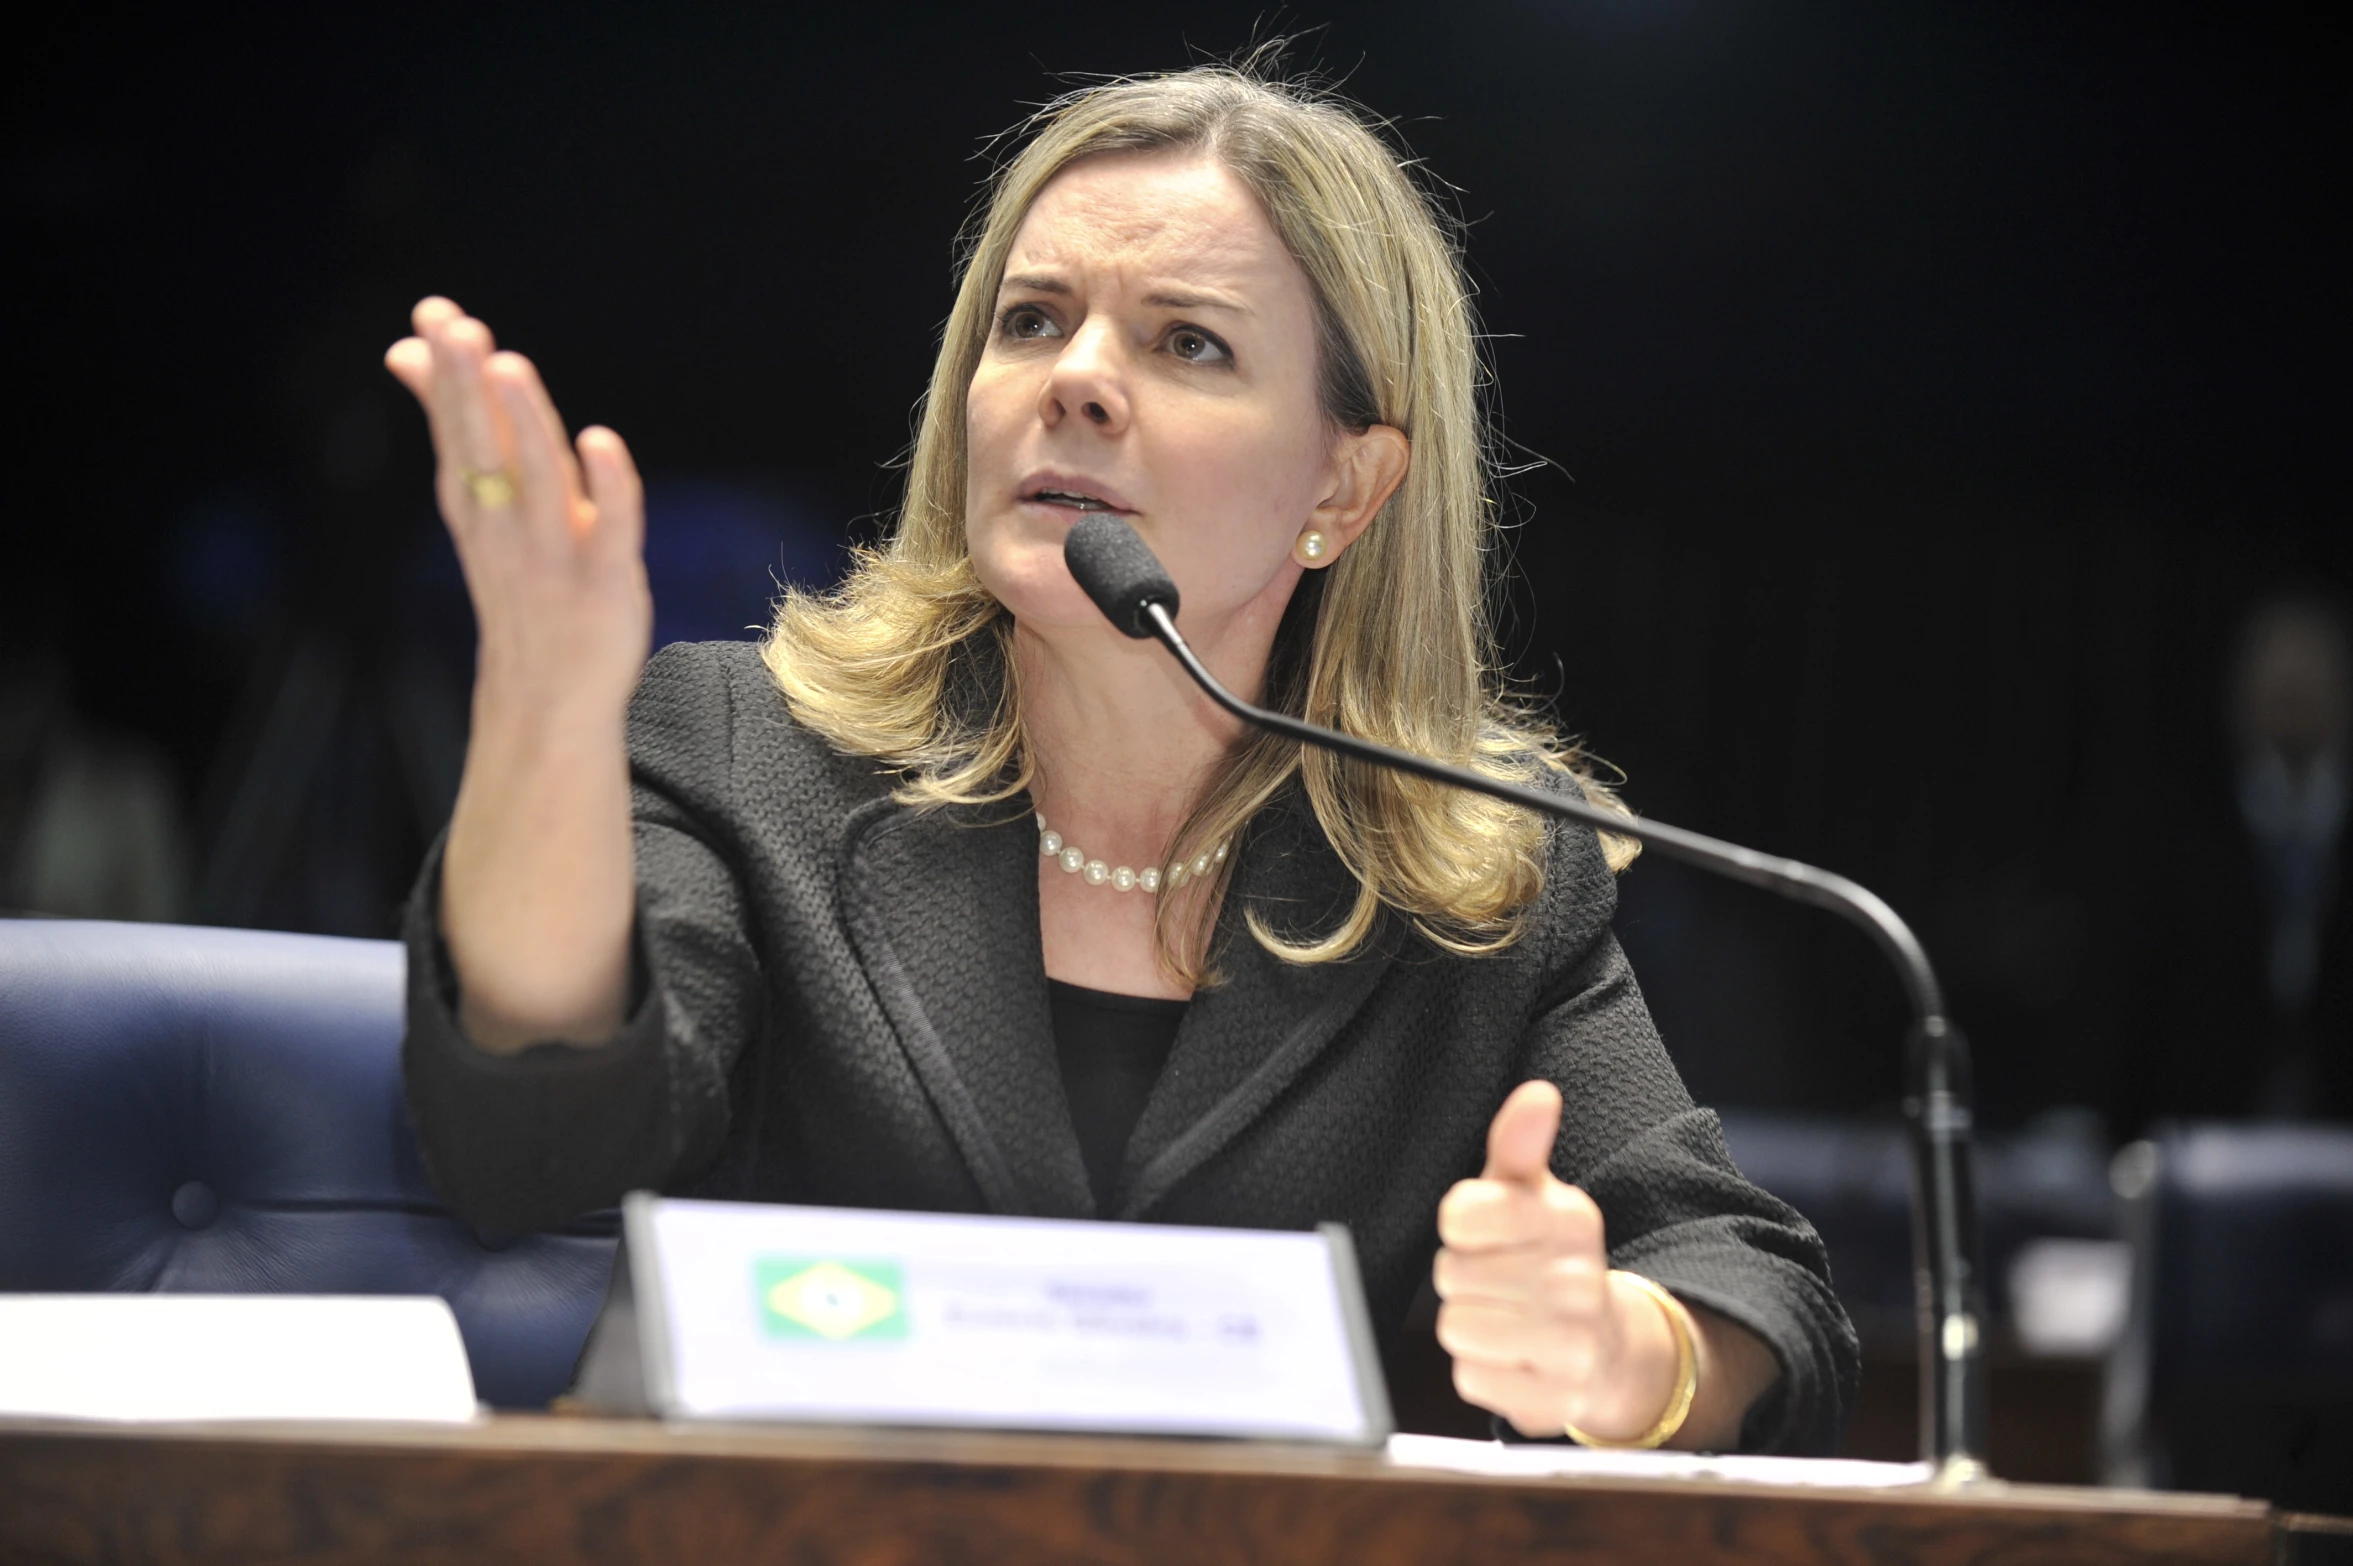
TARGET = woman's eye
(1025,321)
(1195,346)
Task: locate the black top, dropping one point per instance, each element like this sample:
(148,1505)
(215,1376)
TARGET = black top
(1111,1048)
(841,1000)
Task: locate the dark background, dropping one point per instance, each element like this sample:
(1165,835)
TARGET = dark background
(1924,396)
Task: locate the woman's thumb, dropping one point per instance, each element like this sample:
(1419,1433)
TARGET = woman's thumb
(1519,1140)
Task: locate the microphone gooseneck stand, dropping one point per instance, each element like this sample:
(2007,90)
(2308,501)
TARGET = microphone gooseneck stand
(1129,585)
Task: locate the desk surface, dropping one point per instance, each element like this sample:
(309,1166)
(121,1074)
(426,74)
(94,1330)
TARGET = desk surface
(555,1489)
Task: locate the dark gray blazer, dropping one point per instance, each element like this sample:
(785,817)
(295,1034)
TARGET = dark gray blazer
(842,1001)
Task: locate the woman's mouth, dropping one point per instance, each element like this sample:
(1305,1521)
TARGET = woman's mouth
(1063,497)
(1068,492)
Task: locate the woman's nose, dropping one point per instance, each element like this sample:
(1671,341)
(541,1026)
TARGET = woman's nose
(1089,382)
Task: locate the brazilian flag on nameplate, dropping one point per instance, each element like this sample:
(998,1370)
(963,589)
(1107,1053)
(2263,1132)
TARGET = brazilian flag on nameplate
(829,1298)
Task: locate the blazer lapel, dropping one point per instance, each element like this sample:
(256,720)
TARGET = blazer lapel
(1245,1041)
(943,907)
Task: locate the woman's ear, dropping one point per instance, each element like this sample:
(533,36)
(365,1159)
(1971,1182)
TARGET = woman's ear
(1367,467)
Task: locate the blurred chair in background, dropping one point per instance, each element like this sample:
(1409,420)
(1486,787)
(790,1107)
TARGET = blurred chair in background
(220,1112)
(2179,1318)
(2055,1287)
(2235,1371)
(2045,1182)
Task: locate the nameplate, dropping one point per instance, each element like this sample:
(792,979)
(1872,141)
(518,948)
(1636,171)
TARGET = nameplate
(208,1357)
(737,1311)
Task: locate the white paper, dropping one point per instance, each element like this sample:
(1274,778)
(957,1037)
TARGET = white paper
(2070,1297)
(929,1319)
(232,1356)
(1494,1459)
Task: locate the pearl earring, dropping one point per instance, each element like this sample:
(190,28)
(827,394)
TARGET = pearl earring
(1311,546)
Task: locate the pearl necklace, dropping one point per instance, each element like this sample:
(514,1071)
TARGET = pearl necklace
(1121,878)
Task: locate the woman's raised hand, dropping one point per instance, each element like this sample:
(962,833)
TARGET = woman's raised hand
(551,542)
(537,880)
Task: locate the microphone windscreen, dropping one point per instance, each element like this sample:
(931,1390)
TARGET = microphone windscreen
(1118,571)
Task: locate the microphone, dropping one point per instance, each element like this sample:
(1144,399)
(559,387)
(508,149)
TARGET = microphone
(1118,570)
(1128,583)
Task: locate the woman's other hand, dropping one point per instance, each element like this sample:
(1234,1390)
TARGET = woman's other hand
(1542,1331)
(538,885)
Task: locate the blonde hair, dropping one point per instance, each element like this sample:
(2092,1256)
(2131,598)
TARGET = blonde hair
(910,659)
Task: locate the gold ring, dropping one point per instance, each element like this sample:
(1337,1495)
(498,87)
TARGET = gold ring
(493,488)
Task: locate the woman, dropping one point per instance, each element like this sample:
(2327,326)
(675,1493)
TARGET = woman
(949,896)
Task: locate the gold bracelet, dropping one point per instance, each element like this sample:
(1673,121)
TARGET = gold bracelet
(1686,1376)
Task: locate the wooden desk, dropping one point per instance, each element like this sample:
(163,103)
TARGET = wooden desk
(553,1489)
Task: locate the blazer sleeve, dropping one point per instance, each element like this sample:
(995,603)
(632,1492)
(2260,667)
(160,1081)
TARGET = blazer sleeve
(1675,1207)
(518,1142)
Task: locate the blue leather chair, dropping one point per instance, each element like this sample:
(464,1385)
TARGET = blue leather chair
(1852,1178)
(2236,1367)
(220,1111)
